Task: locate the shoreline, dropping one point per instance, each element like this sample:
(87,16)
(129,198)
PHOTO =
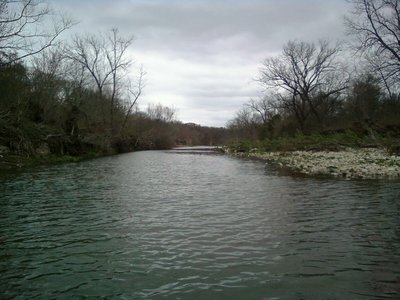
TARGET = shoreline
(14,161)
(350,163)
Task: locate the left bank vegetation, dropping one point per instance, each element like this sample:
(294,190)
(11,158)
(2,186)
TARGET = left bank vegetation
(76,98)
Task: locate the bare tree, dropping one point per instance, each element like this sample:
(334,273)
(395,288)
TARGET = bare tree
(135,90)
(305,75)
(47,81)
(88,52)
(162,113)
(246,123)
(376,23)
(115,51)
(265,107)
(50,61)
(105,59)
(27,27)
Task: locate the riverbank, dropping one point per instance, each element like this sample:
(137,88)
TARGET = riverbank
(12,161)
(349,163)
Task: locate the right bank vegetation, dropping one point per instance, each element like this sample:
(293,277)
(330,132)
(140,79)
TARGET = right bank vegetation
(330,108)
(326,95)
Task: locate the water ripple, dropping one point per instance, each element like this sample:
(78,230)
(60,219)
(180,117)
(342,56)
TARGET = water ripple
(152,225)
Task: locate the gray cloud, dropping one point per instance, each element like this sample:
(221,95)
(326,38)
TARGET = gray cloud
(201,25)
(201,56)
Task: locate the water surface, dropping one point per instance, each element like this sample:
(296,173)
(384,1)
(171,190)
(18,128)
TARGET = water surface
(181,225)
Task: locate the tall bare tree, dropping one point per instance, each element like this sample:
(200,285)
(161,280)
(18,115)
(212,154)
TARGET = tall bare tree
(135,90)
(305,76)
(27,27)
(118,63)
(376,24)
(105,58)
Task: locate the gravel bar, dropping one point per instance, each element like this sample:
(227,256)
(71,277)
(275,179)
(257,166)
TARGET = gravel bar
(365,163)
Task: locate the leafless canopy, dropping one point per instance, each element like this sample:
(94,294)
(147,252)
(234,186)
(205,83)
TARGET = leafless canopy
(27,27)
(102,56)
(162,113)
(105,58)
(264,107)
(135,90)
(376,23)
(305,75)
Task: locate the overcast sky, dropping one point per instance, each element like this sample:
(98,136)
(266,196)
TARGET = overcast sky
(201,56)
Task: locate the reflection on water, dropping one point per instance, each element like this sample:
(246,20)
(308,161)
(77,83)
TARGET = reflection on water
(151,225)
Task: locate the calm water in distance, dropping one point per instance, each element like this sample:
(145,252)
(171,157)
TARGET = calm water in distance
(166,225)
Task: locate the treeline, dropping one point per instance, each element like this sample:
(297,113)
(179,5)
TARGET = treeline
(362,107)
(325,88)
(42,113)
(76,97)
